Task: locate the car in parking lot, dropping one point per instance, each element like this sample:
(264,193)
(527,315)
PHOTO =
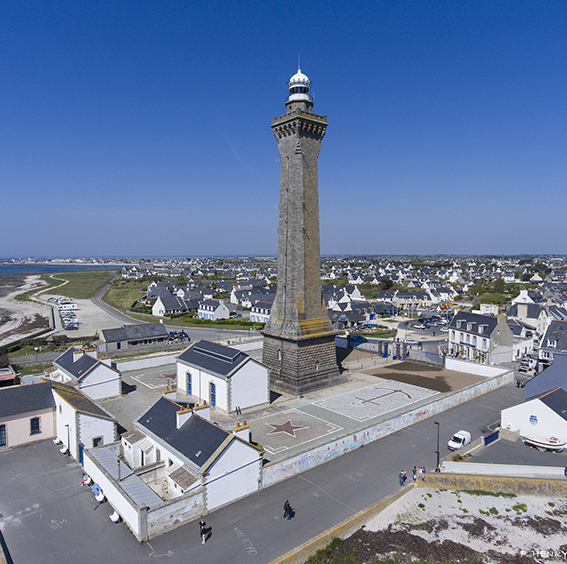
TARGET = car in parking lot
(419,326)
(411,342)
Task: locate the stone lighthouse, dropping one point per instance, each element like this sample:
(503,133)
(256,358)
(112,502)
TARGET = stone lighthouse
(299,341)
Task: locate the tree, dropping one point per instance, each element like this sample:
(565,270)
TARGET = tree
(499,285)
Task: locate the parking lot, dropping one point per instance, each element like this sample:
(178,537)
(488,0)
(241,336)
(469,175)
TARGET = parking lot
(46,515)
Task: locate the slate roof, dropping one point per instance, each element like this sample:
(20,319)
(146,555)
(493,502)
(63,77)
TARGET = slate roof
(79,368)
(134,332)
(557,401)
(554,376)
(534,310)
(79,401)
(477,319)
(15,400)
(197,439)
(183,478)
(556,331)
(213,358)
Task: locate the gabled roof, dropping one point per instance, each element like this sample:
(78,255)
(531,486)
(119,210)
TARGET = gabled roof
(213,358)
(197,439)
(533,310)
(557,332)
(79,401)
(476,319)
(77,368)
(15,400)
(134,332)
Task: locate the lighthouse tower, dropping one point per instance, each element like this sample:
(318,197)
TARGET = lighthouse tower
(299,342)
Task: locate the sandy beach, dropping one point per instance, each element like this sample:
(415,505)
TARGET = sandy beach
(20,318)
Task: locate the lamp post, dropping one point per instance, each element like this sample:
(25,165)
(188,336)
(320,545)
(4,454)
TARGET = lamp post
(437,451)
(68,439)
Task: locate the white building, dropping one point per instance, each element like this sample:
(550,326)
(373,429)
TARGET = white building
(80,422)
(196,452)
(539,419)
(96,378)
(222,376)
(213,310)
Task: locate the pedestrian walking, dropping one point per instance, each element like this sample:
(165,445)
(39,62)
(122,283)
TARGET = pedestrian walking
(203,530)
(404,474)
(414,474)
(401,478)
(423,474)
(287,510)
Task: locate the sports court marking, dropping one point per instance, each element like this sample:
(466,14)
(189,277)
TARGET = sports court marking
(376,400)
(289,429)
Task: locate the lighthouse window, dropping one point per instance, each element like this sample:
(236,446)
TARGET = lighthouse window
(299,90)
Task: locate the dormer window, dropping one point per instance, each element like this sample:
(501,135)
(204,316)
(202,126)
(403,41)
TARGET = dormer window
(470,325)
(552,343)
(481,329)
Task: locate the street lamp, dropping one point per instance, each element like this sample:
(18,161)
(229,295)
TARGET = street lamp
(437,451)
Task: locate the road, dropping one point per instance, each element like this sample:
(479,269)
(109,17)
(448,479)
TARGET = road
(249,531)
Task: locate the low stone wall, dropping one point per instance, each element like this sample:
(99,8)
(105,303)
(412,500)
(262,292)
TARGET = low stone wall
(173,514)
(470,367)
(278,471)
(300,554)
(498,484)
(148,362)
(475,468)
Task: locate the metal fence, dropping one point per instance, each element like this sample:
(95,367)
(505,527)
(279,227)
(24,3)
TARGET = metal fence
(424,356)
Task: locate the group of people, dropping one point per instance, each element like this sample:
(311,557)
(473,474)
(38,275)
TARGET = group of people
(415,473)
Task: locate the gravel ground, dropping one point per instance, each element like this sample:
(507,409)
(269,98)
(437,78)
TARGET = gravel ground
(460,526)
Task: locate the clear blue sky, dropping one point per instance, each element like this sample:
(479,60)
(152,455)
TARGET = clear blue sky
(143,128)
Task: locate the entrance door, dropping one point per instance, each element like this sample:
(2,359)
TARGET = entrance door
(213,395)
(189,383)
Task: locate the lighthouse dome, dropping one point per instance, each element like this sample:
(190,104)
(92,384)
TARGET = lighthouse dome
(299,86)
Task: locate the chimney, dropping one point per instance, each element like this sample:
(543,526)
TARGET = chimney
(522,311)
(242,431)
(183,415)
(77,354)
(204,410)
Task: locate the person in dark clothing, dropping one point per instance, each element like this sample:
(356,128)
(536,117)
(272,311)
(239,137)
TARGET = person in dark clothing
(287,509)
(203,530)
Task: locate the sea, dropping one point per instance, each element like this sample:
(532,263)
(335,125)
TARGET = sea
(42,268)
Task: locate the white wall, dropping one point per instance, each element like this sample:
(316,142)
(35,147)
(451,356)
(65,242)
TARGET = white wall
(473,367)
(115,496)
(149,362)
(234,475)
(66,415)
(549,423)
(91,427)
(101,382)
(250,386)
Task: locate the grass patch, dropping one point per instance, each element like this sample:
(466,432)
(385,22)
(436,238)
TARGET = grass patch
(551,504)
(39,369)
(483,492)
(520,508)
(83,285)
(493,510)
(322,556)
(122,298)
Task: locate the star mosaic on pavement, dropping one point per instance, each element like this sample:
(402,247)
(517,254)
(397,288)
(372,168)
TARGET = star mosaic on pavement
(288,428)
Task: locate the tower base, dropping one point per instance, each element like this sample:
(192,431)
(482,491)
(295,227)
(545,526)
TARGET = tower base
(300,366)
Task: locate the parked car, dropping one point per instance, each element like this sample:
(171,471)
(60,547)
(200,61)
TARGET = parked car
(459,440)
(411,342)
(419,326)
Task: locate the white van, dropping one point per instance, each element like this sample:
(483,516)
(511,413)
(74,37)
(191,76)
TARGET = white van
(459,440)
